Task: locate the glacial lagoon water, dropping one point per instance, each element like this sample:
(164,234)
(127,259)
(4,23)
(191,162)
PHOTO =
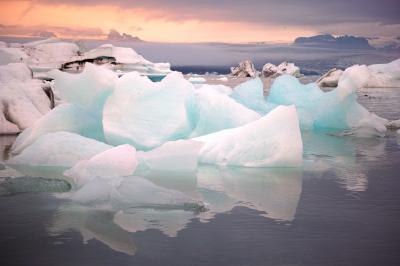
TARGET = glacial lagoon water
(341,208)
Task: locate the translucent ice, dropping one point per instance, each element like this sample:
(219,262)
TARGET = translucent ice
(115,162)
(58,149)
(146,114)
(336,110)
(173,156)
(88,89)
(251,95)
(65,117)
(217,111)
(271,141)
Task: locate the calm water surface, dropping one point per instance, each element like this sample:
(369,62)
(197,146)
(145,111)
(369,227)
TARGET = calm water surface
(341,208)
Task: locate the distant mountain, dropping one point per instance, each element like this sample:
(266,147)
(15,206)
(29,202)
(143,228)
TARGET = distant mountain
(116,36)
(329,41)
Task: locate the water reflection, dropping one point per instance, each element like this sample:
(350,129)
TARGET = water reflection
(348,157)
(274,193)
(93,224)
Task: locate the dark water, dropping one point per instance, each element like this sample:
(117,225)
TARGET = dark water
(341,208)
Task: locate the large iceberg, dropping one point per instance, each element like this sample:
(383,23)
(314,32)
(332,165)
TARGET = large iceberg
(22,99)
(146,114)
(336,110)
(271,141)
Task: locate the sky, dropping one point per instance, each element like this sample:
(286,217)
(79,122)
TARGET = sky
(232,21)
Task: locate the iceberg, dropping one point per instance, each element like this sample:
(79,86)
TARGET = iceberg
(12,55)
(197,80)
(251,95)
(336,110)
(62,149)
(244,69)
(330,78)
(65,117)
(88,89)
(217,111)
(271,70)
(173,156)
(50,54)
(118,59)
(115,162)
(146,114)
(271,141)
(378,76)
(22,99)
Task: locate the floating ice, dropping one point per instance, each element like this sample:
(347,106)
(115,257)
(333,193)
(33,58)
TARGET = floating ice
(174,156)
(146,114)
(88,89)
(115,162)
(244,69)
(336,110)
(271,70)
(330,78)
(197,80)
(22,99)
(58,149)
(118,59)
(45,56)
(65,117)
(271,141)
(12,55)
(217,111)
(377,76)
(251,95)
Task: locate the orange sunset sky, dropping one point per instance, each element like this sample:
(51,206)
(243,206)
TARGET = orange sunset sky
(182,21)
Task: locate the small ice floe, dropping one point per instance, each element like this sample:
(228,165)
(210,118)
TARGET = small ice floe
(197,80)
(244,69)
(271,70)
